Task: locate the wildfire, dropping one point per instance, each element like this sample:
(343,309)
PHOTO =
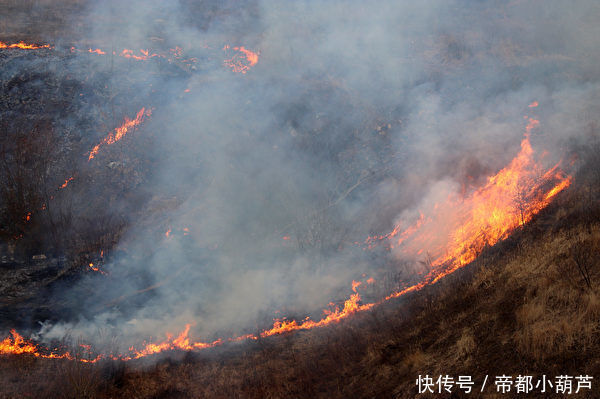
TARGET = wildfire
(23,46)
(144,54)
(66,183)
(351,306)
(457,230)
(96,51)
(453,234)
(242,61)
(17,345)
(121,131)
(181,342)
(96,268)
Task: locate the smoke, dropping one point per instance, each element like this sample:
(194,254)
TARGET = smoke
(356,115)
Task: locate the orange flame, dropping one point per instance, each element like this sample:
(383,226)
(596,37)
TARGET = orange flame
(96,51)
(181,342)
(121,131)
(96,268)
(481,219)
(242,61)
(66,183)
(23,46)
(145,54)
(508,200)
(17,345)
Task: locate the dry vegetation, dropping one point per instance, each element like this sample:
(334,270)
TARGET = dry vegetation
(527,306)
(530,305)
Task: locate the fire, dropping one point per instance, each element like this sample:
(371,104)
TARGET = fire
(457,230)
(66,183)
(145,54)
(181,342)
(242,61)
(351,306)
(23,46)
(17,345)
(453,234)
(121,131)
(95,268)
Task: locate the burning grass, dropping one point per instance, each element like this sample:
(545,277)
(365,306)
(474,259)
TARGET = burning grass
(511,311)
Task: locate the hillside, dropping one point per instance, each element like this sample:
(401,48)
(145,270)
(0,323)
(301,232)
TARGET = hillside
(522,308)
(274,199)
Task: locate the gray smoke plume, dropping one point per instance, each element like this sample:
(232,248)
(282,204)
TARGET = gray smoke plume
(355,113)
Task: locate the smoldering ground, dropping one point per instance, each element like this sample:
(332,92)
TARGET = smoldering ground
(355,114)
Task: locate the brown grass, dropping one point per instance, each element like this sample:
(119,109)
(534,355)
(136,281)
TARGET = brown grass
(522,308)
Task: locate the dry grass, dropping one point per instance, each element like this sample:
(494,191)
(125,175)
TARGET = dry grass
(521,309)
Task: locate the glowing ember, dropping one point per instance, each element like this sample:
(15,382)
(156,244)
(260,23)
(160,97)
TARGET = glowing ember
(95,268)
(242,61)
(144,55)
(66,183)
(23,46)
(121,131)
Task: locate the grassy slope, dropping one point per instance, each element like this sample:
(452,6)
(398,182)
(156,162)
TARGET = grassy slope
(521,308)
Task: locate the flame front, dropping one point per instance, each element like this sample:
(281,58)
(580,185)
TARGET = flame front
(66,183)
(23,46)
(453,233)
(16,346)
(120,131)
(242,61)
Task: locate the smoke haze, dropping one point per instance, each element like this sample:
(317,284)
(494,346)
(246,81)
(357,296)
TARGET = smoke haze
(356,116)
